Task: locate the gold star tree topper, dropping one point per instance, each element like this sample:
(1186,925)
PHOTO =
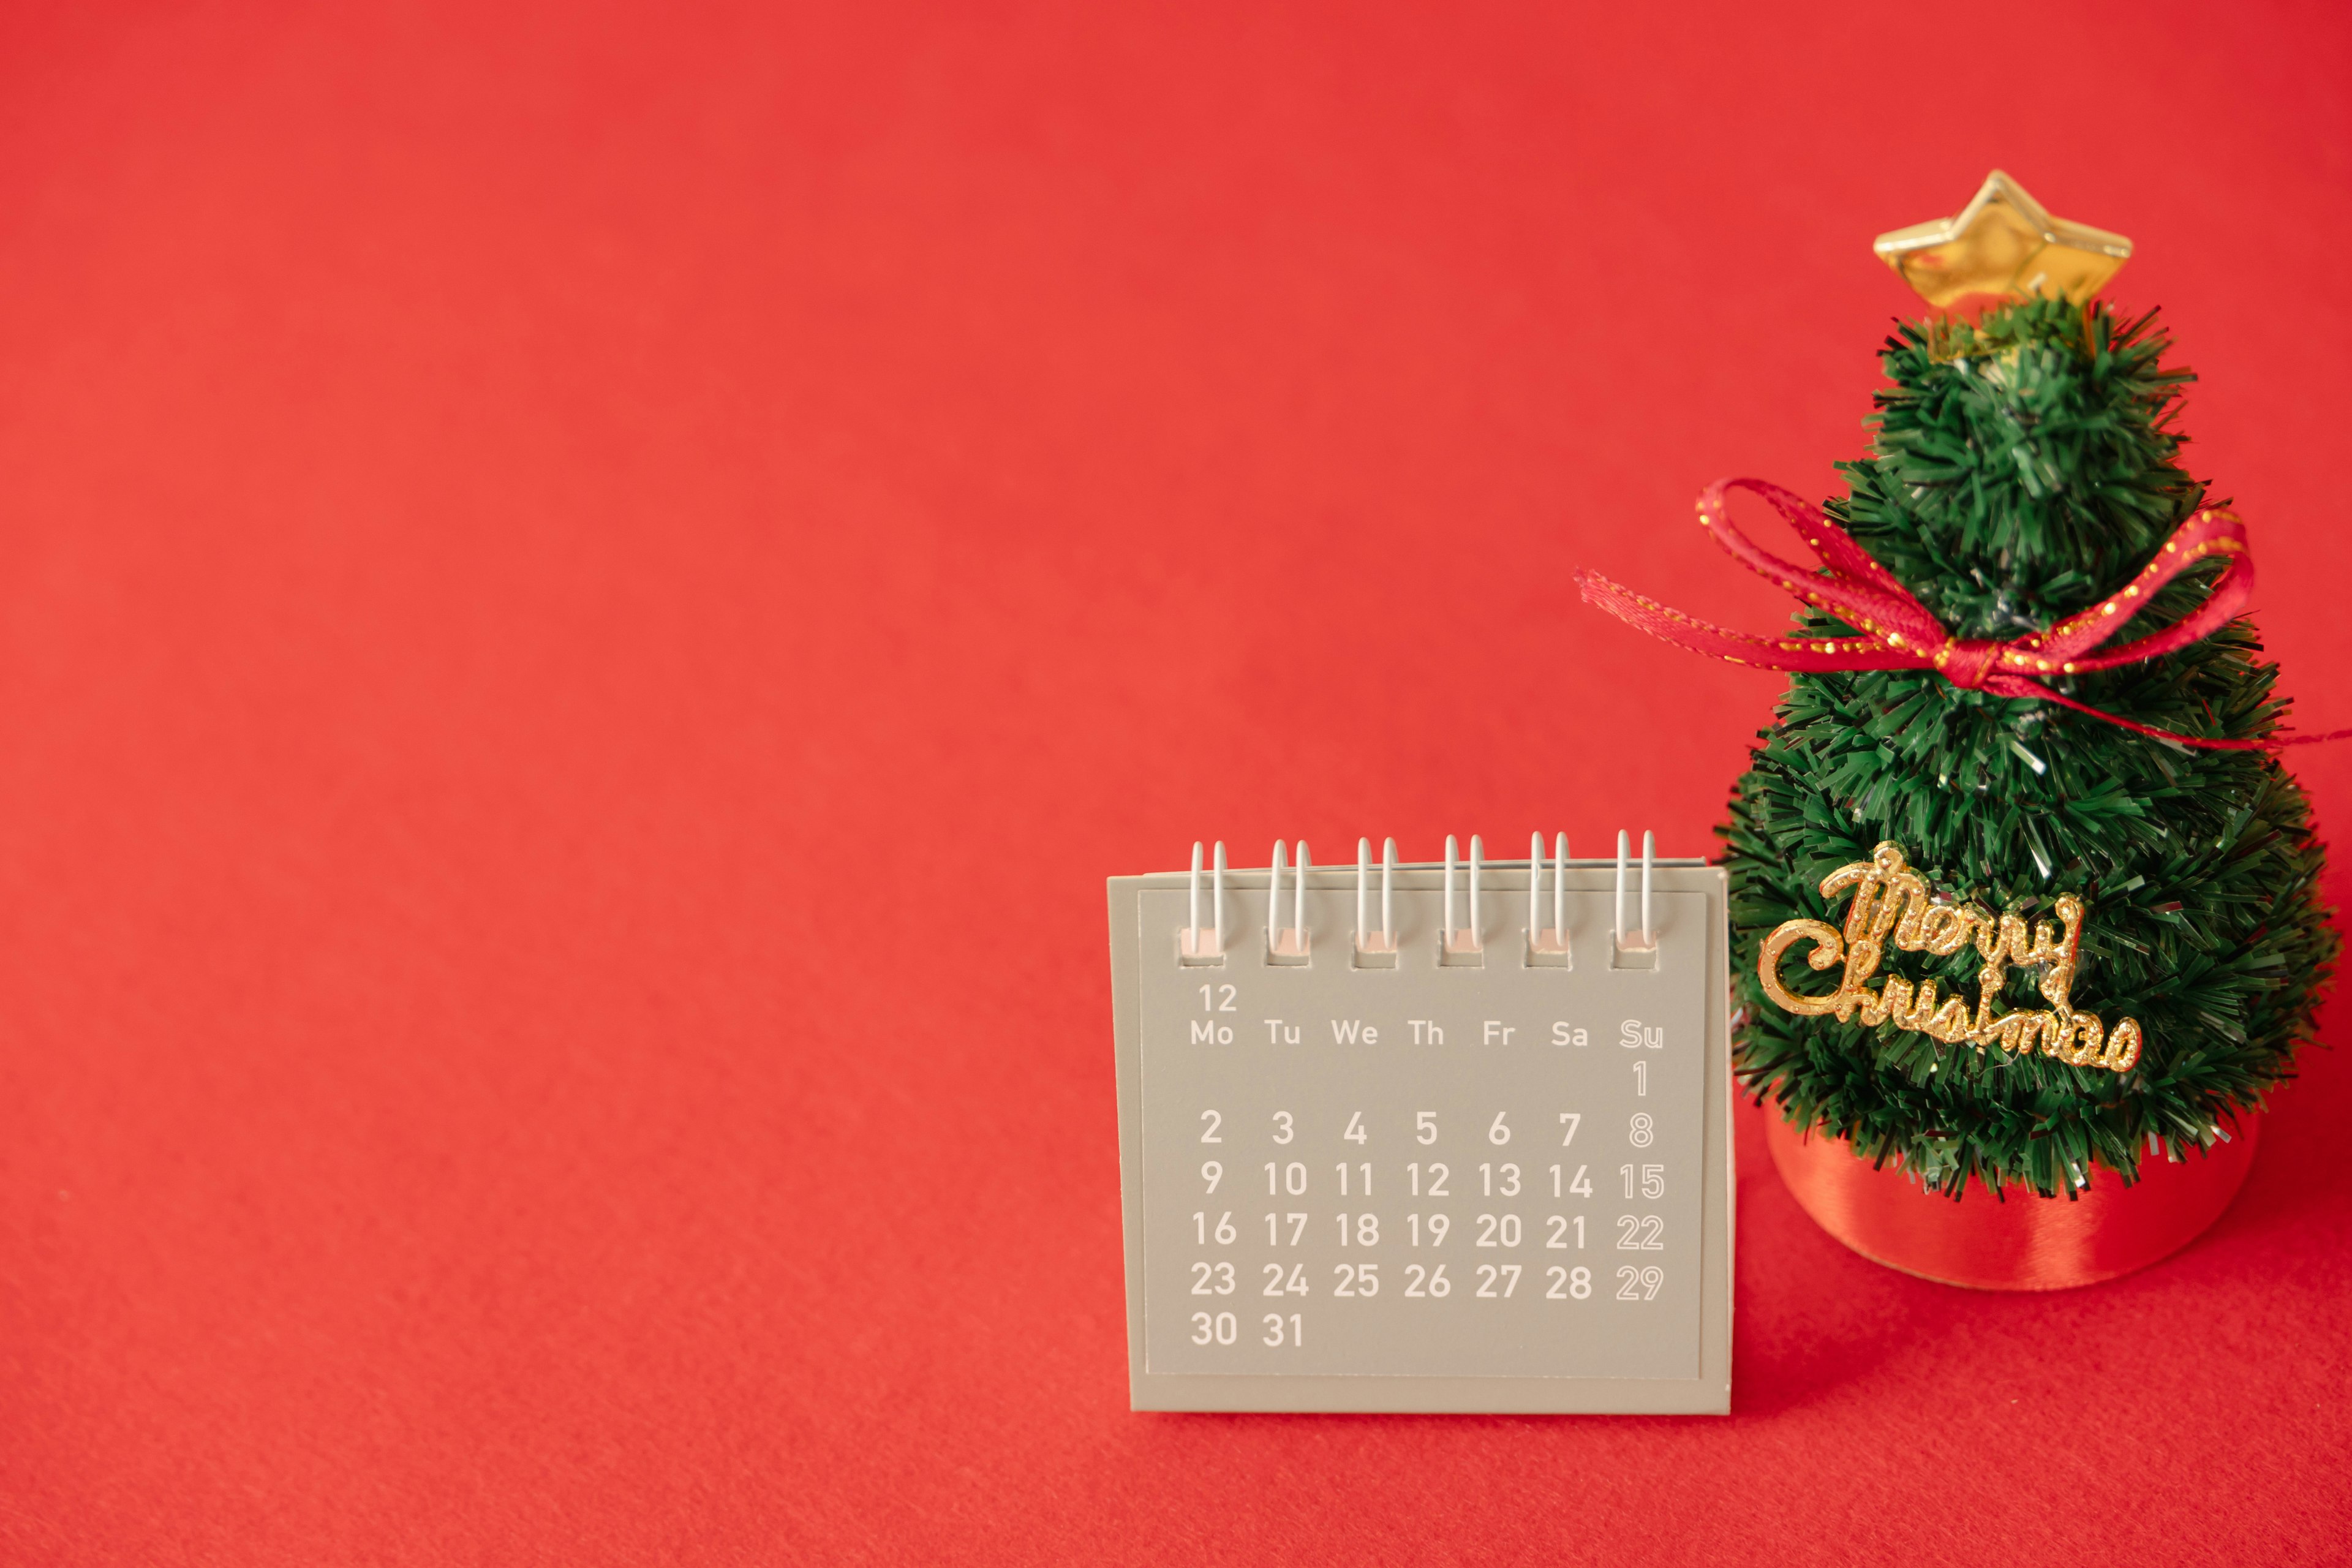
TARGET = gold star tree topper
(2003,244)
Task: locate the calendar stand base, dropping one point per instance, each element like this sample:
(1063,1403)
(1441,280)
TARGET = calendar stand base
(2017,1243)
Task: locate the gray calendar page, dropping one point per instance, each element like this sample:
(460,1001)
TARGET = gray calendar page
(1427,1186)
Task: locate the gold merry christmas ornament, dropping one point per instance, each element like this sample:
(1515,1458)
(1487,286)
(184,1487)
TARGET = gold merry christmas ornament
(2003,243)
(1892,901)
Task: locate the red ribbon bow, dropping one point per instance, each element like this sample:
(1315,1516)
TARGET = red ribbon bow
(1899,633)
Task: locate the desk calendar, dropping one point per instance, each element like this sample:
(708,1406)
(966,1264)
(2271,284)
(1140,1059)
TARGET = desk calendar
(1449,1137)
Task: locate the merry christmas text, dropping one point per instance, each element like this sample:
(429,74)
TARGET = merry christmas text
(1893,901)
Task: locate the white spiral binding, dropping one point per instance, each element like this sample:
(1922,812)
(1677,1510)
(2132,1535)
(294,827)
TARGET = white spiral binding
(1191,947)
(1287,945)
(1625,940)
(1548,945)
(1376,950)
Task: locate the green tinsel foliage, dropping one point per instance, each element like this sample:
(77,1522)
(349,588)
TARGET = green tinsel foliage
(2023,469)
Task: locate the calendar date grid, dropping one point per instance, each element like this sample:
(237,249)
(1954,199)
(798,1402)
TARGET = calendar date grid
(1519,1213)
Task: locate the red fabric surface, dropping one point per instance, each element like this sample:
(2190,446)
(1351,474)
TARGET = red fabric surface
(588,593)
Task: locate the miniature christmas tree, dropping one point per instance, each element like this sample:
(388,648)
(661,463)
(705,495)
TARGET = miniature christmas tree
(2023,483)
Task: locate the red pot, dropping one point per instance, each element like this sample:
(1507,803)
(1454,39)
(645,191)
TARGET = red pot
(2018,1242)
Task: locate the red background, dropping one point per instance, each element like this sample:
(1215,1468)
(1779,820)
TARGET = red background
(588,594)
